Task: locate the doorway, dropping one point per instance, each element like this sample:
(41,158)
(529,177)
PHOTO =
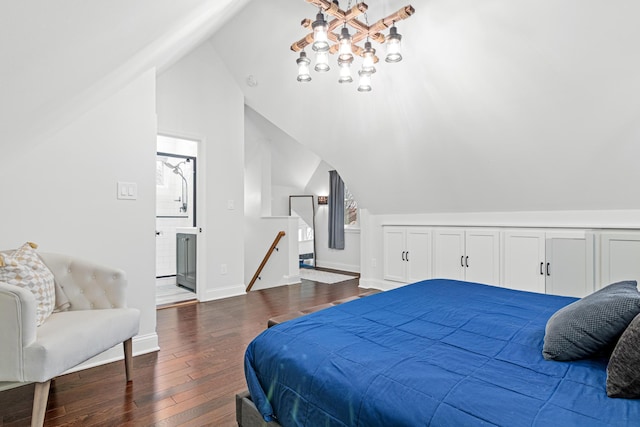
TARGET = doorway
(176,201)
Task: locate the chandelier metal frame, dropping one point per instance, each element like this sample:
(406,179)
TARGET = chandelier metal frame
(350,18)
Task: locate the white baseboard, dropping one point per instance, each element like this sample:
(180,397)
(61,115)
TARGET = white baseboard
(142,344)
(214,294)
(290,280)
(339,266)
(383,285)
(286,281)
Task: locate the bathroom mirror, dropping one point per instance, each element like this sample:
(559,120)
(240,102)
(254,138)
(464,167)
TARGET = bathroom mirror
(303,208)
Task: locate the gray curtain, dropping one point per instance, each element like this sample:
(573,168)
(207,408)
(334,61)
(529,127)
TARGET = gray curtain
(336,211)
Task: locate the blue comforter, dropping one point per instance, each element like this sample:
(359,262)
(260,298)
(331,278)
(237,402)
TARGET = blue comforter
(439,353)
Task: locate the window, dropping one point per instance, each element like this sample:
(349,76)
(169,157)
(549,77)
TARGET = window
(350,208)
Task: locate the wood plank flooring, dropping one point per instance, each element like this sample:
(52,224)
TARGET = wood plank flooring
(191,381)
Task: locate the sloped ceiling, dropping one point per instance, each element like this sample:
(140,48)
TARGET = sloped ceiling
(498,105)
(60,57)
(292,164)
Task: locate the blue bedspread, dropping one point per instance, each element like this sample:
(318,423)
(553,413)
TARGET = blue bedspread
(439,353)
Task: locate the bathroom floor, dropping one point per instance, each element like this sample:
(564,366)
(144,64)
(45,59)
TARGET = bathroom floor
(168,293)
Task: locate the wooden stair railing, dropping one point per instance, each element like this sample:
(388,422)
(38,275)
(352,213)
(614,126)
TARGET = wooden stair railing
(280,235)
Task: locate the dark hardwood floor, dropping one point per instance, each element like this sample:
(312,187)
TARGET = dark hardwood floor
(191,381)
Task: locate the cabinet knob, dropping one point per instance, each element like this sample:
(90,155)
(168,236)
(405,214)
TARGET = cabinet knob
(548,272)
(403,256)
(462,261)
(541,267)
(406,257)
(466,261)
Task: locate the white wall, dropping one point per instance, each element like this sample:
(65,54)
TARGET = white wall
(280,198)
(198,99)
(61,194)
(282,267)
(261,227)
(347,259)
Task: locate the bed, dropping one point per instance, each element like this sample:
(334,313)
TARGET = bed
(438,353)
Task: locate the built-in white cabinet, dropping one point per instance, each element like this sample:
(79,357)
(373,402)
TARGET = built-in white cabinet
(467,254)
(619,257)
(407,253)
(571,262)
(553,262)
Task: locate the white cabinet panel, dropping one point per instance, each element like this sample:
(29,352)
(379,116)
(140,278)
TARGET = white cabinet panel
(394,251)
(449,254)
(569,266)
(407,253)
(418,255)
(467,254)
(620,257)
(523,261)
(553,262)
(482,256)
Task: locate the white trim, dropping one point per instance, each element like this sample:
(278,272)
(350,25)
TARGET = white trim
(612,219)
(339,266)
(200,197)
(292,279)
(214,294)
(383,285)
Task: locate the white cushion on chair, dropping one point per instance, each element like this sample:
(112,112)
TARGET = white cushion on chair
(60,346)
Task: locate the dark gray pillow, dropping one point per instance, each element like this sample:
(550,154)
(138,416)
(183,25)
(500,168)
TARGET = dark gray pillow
(623,371)
(591,324)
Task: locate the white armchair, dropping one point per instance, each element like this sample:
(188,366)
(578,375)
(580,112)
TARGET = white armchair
(96,320)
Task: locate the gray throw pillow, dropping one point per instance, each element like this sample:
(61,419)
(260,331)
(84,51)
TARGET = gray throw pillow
(591,324)
(623,371)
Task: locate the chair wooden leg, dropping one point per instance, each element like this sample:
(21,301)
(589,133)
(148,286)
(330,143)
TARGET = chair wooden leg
(128,358)
(40,398)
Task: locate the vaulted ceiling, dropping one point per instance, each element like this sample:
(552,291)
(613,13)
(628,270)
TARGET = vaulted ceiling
(498,105)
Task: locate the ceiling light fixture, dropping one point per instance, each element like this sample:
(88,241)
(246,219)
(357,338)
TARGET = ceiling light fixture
(322,35)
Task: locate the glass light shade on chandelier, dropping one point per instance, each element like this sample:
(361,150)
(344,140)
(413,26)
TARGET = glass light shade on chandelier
(365,81)
(344,41)
(320,34)
(303,67)
(335,37)
(368,59)
(394,48)
(322,62)
(345,72)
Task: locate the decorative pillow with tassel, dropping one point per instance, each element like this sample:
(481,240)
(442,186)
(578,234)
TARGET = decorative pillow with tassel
(24,268)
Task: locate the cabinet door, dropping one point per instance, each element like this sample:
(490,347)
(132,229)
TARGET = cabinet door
(394,253)
(620,257)
(523,261)
(190,274)
(186,260)
(449,254)
(569,266)
(418,255)
(482,256)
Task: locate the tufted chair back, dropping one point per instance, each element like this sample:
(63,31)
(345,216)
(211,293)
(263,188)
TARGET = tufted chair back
(96,320)
(86,284)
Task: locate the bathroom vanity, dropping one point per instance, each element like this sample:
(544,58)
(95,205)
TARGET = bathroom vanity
(186,266)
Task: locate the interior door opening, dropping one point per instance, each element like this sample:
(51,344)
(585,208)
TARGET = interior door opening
(176,221)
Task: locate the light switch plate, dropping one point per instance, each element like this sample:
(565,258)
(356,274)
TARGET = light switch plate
(127,190)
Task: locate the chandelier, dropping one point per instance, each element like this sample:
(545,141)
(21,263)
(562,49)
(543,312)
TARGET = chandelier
(325,41)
